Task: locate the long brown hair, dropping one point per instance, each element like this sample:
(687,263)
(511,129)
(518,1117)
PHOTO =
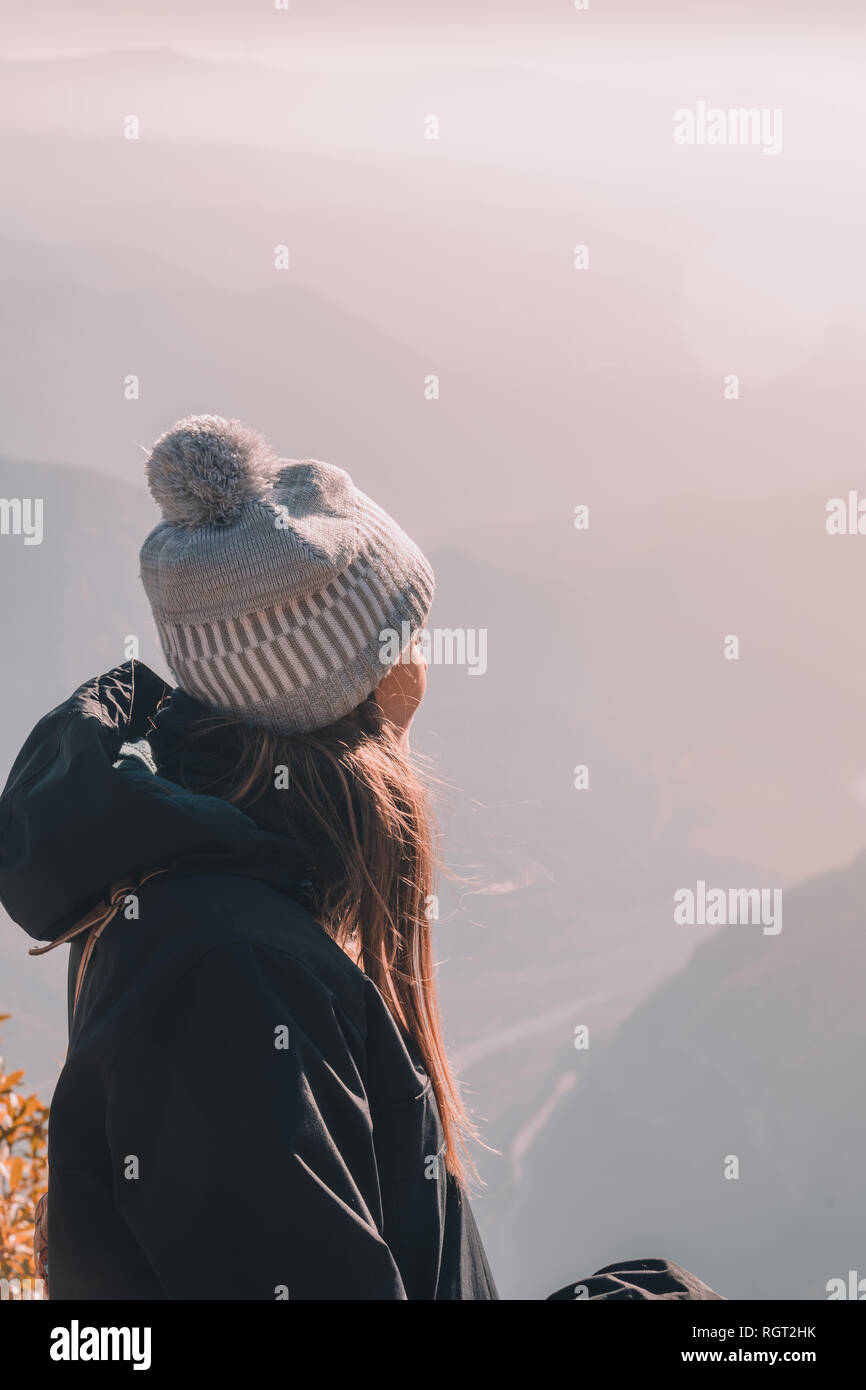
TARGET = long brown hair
(350,793)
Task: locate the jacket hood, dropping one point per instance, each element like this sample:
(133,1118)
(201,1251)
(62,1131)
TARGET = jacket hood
(79,812)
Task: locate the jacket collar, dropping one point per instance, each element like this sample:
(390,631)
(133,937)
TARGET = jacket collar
(81,811)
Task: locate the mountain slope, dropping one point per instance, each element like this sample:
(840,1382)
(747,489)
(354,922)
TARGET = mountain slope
(757,1050)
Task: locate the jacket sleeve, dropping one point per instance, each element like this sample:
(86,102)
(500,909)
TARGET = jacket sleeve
(631,1280)
(241,1141)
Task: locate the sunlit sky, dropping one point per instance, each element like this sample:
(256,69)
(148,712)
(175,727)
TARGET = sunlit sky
(359,33)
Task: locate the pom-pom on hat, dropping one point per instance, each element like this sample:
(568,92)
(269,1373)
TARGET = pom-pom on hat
(277,587)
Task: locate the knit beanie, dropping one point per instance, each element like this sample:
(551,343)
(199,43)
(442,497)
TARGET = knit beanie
(281,593)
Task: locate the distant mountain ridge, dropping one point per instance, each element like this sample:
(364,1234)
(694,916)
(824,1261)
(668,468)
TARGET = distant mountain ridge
(756,1050)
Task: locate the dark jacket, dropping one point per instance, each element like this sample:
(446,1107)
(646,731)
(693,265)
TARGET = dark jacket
(239,1116)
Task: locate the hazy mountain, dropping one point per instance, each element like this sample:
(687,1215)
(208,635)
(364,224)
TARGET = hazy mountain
(411,258)
(317,379)
(69,603)
(764,756)
(756,1050)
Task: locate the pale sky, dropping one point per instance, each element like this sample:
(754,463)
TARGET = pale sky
(332,32)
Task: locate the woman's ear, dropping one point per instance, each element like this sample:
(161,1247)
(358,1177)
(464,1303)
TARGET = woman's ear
(401,690)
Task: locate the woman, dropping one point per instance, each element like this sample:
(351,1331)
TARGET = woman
(256,1101)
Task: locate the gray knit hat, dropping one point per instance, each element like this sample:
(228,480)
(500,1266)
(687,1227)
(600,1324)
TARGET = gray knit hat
(273,582)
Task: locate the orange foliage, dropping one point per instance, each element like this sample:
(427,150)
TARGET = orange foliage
(23,1175)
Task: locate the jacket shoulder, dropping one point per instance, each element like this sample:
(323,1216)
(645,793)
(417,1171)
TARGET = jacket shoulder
(178,919)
